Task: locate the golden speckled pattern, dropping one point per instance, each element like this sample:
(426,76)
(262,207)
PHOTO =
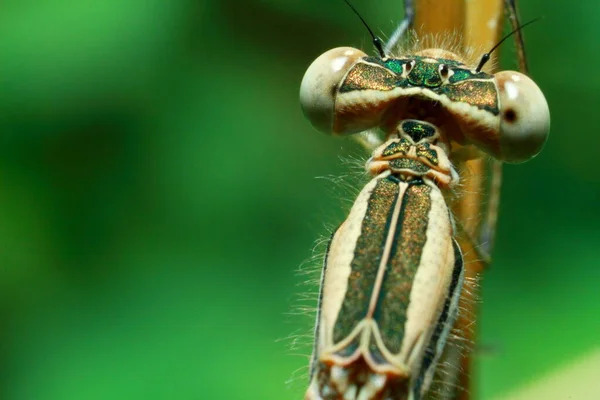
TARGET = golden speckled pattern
(364,76)
(481,94)
(405,255)
(367,257)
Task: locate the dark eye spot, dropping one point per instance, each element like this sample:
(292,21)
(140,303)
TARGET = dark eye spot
(444,70)
(510,115)
(409,66)
(334,91)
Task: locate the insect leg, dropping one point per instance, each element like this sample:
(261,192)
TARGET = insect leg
(407,21)
(488,225)
(513,17)
(369,140)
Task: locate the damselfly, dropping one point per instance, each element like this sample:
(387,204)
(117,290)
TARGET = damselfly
(393,273)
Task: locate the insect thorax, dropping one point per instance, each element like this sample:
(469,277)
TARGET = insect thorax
(416,150)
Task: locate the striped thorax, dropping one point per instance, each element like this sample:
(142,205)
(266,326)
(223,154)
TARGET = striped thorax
(392,276)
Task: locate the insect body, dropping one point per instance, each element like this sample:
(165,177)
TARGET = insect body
(393,272)
(393,275)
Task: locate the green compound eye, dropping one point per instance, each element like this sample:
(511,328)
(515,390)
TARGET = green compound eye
(319,88)
(524,117)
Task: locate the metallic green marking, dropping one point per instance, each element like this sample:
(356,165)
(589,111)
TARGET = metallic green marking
(405,256)
(417,131)
(481,94)
(461,74)
(374,74)
(367,257)
(395,65)
(365,76)
(425,74)
(394,148)
(424,150)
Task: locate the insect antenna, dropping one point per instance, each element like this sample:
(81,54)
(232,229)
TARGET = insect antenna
(486,57)
(376,41)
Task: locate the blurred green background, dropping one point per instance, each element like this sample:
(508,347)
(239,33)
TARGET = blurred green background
(158,195)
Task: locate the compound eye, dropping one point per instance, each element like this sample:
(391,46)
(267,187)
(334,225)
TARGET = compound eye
(320,84)
(524,117)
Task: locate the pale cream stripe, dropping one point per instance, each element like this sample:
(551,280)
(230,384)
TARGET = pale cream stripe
(389,242)
(339,264)
(580,380)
